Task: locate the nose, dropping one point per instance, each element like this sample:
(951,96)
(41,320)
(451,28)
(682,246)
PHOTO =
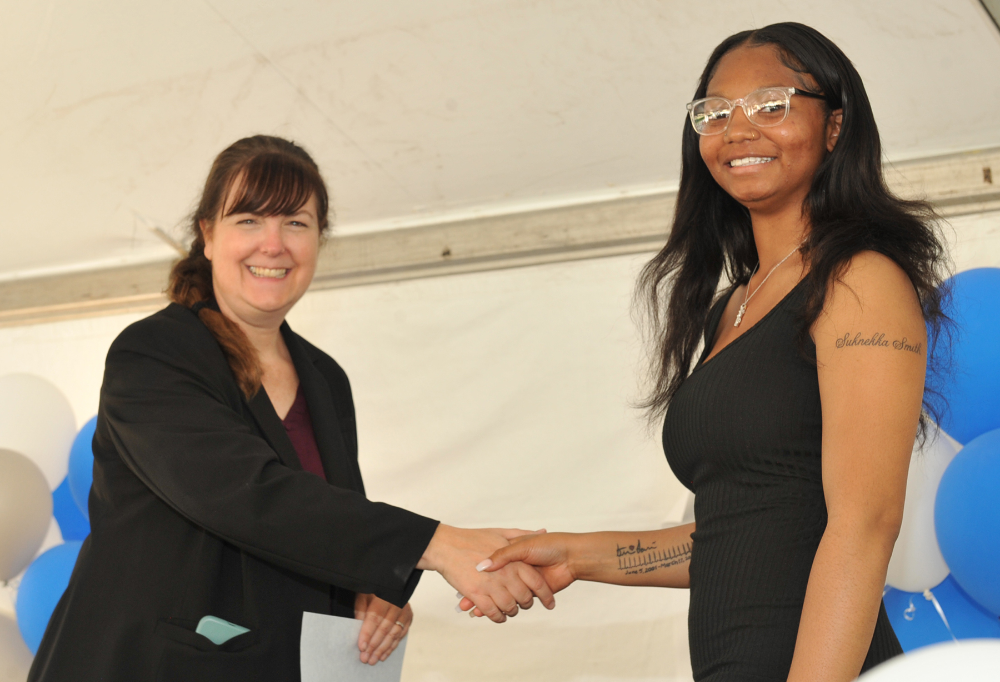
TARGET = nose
(740,128)
(272,237)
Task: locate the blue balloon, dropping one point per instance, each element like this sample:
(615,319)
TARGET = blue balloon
(41,589)
(81,465)
(973,404)
(917,623)
(967,519)
(72,523)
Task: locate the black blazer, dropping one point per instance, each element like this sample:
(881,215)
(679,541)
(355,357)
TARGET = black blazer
(200,507)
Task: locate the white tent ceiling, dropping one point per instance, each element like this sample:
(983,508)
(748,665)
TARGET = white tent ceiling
(416,111)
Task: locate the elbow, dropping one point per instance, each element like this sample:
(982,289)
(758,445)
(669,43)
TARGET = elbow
(876,528)
(886,520)
(887,526)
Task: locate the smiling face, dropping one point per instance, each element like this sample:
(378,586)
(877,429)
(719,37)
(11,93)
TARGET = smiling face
(262,265)
(767,169)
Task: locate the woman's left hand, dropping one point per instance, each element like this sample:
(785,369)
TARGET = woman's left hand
(384,627)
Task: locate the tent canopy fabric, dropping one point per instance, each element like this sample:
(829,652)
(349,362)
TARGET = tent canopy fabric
(415,111)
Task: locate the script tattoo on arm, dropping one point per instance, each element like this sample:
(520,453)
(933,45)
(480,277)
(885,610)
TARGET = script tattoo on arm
(878,340)
(638,558)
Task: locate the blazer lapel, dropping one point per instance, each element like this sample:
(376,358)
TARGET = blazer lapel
(326,426)
(266,418)
(273,430)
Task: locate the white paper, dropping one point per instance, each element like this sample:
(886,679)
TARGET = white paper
(329,651)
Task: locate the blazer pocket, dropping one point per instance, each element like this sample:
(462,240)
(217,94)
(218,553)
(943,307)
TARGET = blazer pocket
(191,657)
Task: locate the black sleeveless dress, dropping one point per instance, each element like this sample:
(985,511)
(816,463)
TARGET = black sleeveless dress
(743,432)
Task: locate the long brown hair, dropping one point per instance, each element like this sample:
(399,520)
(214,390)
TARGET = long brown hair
(272,176)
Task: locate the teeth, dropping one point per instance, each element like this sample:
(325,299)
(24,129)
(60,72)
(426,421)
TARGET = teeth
(750,161)
(276,273)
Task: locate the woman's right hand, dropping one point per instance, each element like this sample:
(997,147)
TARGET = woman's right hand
(549,553)
(454,553)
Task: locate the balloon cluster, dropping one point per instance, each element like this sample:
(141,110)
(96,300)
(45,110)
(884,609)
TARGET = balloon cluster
(46,469)
(943,578)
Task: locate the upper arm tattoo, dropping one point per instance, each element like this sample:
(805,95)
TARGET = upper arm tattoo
(878,340)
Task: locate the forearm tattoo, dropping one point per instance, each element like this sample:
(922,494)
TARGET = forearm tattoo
(638,558)
(878,340)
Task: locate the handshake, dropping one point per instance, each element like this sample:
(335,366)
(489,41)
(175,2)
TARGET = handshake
(496,587)
(521,565)
(497,572)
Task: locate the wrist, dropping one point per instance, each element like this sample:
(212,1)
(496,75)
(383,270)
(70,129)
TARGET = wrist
(433,556)
(579,562)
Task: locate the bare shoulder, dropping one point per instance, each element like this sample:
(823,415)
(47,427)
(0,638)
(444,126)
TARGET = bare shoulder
(872,283)
(873,278)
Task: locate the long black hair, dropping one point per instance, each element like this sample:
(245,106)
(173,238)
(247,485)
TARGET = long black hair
(849,207)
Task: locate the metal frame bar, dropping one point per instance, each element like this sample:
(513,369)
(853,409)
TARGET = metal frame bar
(957,184)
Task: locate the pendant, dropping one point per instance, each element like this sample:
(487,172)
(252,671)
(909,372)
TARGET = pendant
(739,315)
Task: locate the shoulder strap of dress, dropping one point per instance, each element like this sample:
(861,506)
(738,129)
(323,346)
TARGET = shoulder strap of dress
(712,323)
(715,314)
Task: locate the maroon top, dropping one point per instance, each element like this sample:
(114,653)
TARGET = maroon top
(299,426)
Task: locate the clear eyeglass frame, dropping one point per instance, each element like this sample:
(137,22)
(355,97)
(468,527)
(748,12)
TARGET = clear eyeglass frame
(764,108)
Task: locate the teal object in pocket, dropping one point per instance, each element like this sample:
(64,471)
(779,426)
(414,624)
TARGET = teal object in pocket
(217,630)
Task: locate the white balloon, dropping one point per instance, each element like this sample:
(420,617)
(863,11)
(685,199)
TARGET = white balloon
(37,421)
(25,512)
(917,563)
(968,660)
(15,657)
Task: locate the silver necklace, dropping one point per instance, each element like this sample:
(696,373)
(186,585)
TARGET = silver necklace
(746,297)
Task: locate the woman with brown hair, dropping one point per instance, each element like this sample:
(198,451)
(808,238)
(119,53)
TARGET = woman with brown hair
(226,479)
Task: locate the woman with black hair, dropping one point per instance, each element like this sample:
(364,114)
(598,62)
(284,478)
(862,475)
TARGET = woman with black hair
(794,430)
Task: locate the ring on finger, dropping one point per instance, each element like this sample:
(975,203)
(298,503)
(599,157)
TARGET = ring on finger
(400,625)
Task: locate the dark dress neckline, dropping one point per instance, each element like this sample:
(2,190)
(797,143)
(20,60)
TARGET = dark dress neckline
(723,303)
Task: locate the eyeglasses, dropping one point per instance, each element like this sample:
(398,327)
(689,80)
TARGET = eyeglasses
(764,108)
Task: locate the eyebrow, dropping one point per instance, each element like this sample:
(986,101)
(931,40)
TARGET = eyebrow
(763,87)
